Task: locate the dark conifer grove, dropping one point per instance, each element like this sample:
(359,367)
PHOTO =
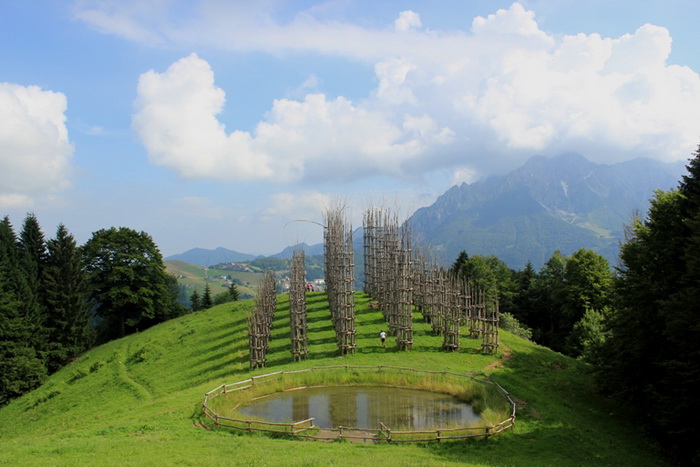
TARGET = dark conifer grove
(53,292)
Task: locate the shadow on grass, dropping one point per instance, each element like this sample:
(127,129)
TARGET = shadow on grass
(326,354)
(317,318)
(328,327)
(221,356)
(321,341)
(223,344)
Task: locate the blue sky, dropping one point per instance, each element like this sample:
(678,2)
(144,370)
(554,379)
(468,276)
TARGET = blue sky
(224,123)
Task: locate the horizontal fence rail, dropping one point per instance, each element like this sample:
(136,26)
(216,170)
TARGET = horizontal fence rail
(384,433)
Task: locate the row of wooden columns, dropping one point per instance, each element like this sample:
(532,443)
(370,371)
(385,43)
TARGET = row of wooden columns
(400,280)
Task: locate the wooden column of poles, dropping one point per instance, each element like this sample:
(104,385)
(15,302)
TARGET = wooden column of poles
(404,288)
(339,253)
(260,321)
(297,307)
(452,312)
(490,328)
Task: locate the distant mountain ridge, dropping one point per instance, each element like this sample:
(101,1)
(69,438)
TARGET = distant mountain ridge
(309,250)
(204,257)
(561,203)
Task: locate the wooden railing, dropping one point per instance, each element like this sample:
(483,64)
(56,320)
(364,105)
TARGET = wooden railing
(307,429)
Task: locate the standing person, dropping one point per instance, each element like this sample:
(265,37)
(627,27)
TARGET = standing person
(382,336)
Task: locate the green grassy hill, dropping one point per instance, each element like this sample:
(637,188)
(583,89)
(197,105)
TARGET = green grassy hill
(191,276)
(137,401)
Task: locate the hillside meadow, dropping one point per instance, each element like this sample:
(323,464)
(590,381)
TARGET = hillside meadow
(137,400)
(193,277)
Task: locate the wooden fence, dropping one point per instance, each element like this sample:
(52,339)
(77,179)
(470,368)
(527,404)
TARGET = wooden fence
(307,429)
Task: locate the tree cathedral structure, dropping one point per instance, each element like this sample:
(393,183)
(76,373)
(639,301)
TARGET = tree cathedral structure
(403,280)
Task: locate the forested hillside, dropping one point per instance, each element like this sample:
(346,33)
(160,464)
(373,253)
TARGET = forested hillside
(58,299)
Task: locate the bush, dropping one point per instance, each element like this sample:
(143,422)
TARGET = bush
(509,323)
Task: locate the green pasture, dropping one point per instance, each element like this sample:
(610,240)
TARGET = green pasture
(137,400)
(193,276)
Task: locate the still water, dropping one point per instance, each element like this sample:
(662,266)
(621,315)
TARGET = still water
(364,407)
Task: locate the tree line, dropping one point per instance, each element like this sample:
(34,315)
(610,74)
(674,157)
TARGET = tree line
(207,300)
(58,299)
(637,324)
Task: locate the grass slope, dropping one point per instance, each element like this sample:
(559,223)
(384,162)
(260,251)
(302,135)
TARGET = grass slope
(135,401)
(193,276)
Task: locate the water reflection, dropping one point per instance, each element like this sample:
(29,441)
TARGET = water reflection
(365,407)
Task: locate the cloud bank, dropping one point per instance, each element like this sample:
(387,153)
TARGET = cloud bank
(35,151)
(480,100)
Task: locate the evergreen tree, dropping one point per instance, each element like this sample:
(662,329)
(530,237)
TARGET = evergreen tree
(23,288)
(68,315)
(174,307)
(21,366)
(652,357)
(548,296)
(233,292)
(460,262)
(522,302)
(230,295)
(32,255)
(32,258)
(196,301)
(207,301)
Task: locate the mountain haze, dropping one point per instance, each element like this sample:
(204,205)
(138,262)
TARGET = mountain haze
(563,203)
(309,250)
(204,257)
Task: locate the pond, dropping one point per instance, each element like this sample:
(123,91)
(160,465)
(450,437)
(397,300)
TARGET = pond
(364,407)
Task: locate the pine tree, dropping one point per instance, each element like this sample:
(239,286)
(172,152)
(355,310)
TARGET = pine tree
(233,292)
(524,299)
(32,255)
(652,357)
(21,368)
(68,314)
(548,295)
(12,262)
(207,301)
(196,301)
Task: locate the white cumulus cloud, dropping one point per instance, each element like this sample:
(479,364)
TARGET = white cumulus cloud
(317,137)
(407,21)
(35,151)
(484,98)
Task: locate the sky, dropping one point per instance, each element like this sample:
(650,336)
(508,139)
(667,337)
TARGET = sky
(237,124)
